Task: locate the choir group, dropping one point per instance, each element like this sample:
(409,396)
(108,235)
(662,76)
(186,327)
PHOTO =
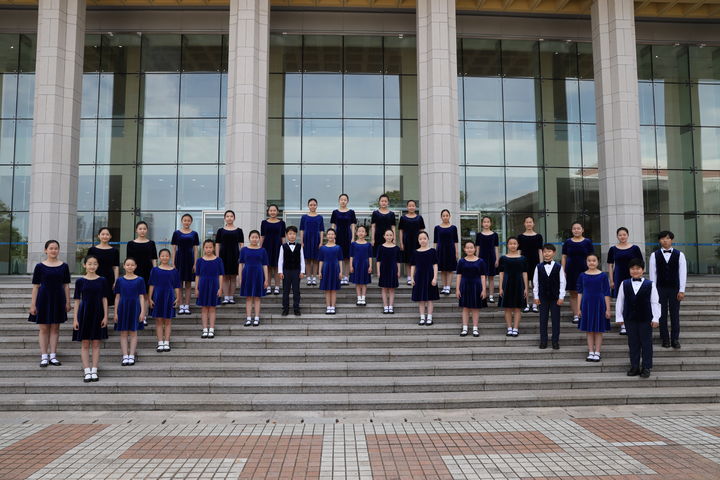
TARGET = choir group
(159,284)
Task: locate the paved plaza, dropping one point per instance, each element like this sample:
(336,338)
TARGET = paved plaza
(614,443)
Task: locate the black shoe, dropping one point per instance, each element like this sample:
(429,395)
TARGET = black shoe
(556,346)
(526,309)
(285,312)
(633,372)
(463,332)
(543,345)
(676,345)
(296,312)
(665,344)
(645,373)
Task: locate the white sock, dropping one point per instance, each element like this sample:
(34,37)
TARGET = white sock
(248,319)
(52,355)
(422,317)
(257,318)
(131,357)
(93,370)
(429,317)
(465,328)
(44,356)
(211,330)
(87,370)
(166,343)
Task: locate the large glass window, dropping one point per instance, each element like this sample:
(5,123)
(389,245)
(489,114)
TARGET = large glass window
(342,118)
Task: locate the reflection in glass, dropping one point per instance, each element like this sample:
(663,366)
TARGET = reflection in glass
(364,184)
(322,53)
(323,182)
(400,96)
(363,96)
(708,191)
(7,141)
(160,95)
(115,187)
(121,53)
(161,53)
(322,141)
(117,139)
(561,101)
(400,57)
(284,141)
(401,184)
(26,95)
(158,141)
(23,142)
(670,63)
(522,144)
(6,184)
(483,98)
(524,189)
(322,96)
(363,54)
(199,140)
(21,188)
(587,101)
(19,233)
(285,97)
(708,228)
(591,190)
(197,187)
(585,60)
(200,95)
(401,142)
(485,188)
(363,141)
(521,99)
(90,86)
(8,95)
(484,143)
(674,147)
(707,105)
(480,57)
(707,150)
(676,191)
(646,103)
(283,186)
(564,189)
(648,153)
(86,188)
(156,187)
(161,226)
(88,141)
(201,53)
(119,95)
(9,48)
(558,59)
(704,64)
(562,145)
(285,53)
(651,193)
(520,58)
(672,104)
(589,146)
(644,62)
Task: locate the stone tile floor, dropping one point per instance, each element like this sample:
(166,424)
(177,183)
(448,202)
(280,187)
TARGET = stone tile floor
(662,442)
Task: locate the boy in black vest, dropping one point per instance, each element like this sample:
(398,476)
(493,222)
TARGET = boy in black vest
(668,271)
(638,308)
(291,268)
(549,294)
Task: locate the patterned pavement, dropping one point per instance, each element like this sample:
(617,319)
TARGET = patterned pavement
(611,443)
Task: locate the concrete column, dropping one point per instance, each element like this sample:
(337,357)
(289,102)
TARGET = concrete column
(56,127)
(246,159)
(618,120)
(438,110)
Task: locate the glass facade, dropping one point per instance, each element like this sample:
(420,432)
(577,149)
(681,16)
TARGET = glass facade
(342,118)
(152,132)
(679,88)
(527,135)
(17,89)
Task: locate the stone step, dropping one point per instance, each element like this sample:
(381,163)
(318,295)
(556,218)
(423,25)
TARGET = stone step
(625,395)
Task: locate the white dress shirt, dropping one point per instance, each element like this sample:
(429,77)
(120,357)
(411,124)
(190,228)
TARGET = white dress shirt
(292,247)
(654,302)
(682,267)
(548,269)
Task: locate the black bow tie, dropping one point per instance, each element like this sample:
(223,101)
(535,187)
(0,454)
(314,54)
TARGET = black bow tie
(291,244)
(637,279)
(547,263)
(667,251)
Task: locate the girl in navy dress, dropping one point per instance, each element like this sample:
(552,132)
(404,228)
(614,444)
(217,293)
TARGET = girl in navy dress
(488,249)
(209,273)
(185,244)
(228,242)
(164,294)
(108,258)
(388,256)
(144,251)
(593,288)
(272,233)
(90,317)
(446,244)
(382,220)
(360,264)
(254,278)
(513,286)
(411,224)
(129,310)
(424,273)
(312,227)
(50,301)
(574,252)
(331,259)
(470,291)
(618,259)
(343,220)
(530,247)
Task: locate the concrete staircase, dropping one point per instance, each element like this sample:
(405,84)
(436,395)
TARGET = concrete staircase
(356,359)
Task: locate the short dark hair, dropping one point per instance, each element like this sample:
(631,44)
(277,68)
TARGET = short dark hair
(666,233)
(621,229)
(636,262)
(164,250)
(549,246)
(208,240)
(291,228)
(255,232)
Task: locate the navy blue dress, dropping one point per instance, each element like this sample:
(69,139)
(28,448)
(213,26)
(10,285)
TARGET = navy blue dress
(360,255)
(410,228)
(208,272)
(513,286)
(620,259)
(185,255)
(51,300)
(229,241)
(331,258)
(107,258)
(144,253)
(424,290)
(529,247)
(471,283)
(252,282)
(486,250)
(128,310)
(383,222)
(388,258)
(576,261)
(446,238)
(91,312)
(272,234)
(343,222)
(594,289)
(311,228)
(164,283)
